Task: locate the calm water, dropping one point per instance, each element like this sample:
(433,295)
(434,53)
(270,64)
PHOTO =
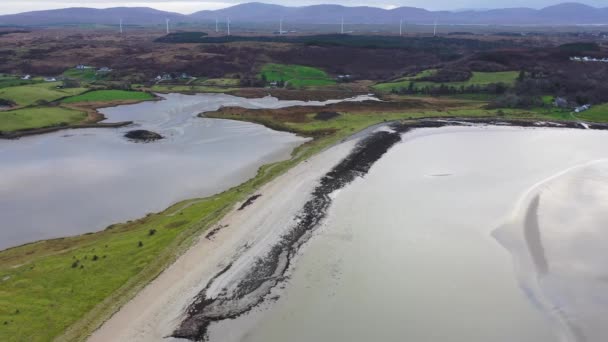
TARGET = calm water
(78,181)
(408,253)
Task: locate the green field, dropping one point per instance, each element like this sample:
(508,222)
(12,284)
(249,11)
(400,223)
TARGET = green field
(598,113)
(109,95)
(30,94)
(297,76)
(163,88)
(88,75)
(37,117)
(219,82)
(477,78)
(13,81)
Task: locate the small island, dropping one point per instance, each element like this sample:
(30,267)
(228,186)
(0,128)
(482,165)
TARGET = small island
(142,135)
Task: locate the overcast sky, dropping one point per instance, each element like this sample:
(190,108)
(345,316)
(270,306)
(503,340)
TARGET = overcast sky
(190,6)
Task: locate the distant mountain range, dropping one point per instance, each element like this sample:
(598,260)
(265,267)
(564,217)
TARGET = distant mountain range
(562,14)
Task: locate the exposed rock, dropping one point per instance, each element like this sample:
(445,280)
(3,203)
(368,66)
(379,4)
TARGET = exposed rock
(142,135)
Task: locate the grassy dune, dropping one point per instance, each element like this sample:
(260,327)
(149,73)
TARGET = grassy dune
(37,117)
(108,95)
(297,76)
(30,94)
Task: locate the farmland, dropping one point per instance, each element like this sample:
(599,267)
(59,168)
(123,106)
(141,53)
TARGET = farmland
(109,95)
(476,79)
(296,76)
(88,75)
(27,95)
(37,117)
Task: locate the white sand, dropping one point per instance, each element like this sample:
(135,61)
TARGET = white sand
(157,310)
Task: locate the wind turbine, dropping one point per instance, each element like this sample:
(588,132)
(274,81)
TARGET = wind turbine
(401,27)
(167,22)
(281,26)
(121,26)
(342,26)
(216,25)
(435,28)
(228,25)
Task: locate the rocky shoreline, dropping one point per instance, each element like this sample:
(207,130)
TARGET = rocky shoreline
(269,271)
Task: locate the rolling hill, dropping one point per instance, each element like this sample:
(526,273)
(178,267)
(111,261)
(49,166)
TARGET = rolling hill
(561,14)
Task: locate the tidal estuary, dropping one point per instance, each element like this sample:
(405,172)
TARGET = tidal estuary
(82,180)
(469,234)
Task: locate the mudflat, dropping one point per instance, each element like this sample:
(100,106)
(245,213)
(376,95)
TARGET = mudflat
(408,252)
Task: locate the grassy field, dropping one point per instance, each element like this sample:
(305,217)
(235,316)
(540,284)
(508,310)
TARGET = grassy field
(30,94)
(67,287)
(13,81)
(219,82)
(297,76)
(108,95)
(598,113)
(478,78)
(162,88)
(37,117)
(348,123)
(88,75)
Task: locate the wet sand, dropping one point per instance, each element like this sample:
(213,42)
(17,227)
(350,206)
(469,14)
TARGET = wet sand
(558,238)
(405,253)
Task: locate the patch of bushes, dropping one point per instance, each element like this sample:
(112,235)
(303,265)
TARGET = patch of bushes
(579,47)
(326,115)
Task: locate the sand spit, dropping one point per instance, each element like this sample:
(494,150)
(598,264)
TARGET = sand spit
(235,293)
(157,310)
(233,272)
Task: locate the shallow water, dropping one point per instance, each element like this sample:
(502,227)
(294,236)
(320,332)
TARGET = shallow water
(408,253)
(558,234)
(77,181)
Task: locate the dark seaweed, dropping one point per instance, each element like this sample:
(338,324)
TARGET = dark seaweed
(249,201)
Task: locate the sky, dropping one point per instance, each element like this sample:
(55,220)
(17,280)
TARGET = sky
(190,6)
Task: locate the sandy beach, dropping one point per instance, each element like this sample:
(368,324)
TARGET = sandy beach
(246,234)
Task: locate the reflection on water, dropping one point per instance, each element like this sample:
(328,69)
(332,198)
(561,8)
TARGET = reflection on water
(406,255)
(78,181)
(558,236)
